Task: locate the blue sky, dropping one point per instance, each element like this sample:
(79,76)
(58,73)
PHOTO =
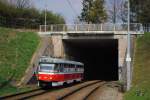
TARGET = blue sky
(62,7)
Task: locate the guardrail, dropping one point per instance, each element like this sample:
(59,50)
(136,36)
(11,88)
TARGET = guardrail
(137,27)
(146,27)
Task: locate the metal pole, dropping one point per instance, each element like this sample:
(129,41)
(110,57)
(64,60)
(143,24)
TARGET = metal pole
(114,15)
(114,19)
(45,16)
(128,57)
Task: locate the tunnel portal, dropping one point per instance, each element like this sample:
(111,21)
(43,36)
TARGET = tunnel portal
(99,56)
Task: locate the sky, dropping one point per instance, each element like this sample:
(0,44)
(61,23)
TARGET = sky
(62,7)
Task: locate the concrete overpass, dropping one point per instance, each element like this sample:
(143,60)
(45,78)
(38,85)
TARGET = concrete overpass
(100,45)
(105,43)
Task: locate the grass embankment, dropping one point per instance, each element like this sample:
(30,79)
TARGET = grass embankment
(16,50)
(141,76)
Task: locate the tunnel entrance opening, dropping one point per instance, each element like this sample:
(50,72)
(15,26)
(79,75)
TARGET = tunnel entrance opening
(100,57)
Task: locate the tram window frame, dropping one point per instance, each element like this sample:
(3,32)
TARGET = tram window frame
(70,68)
(78,68)
(56,68)
(61,69)
(75,68)
(65,67)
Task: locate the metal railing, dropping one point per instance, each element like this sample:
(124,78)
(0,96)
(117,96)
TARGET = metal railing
(90,27)
(146,27)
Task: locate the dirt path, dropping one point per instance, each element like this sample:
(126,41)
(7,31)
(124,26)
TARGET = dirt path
(42,50)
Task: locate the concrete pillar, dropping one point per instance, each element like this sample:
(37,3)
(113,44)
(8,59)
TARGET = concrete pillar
(122,46)
(58,48)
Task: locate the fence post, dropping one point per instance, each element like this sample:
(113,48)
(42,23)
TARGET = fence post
(40,28)
(76,27)
(94,27)
(88,26)
(101,27)
(51,27)
(114,27)
(63,27)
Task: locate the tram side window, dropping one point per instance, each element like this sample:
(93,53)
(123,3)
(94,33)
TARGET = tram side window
(56,68)
(76,68)
(65,67)
(79,68)
(70,67)
(61,67)
(73,67)
(82,69)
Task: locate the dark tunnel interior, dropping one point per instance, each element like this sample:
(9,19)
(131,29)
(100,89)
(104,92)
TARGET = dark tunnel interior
(100,57)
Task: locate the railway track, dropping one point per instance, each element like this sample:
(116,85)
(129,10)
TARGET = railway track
(84,92)
(29,94)
(89,87)
(24,95)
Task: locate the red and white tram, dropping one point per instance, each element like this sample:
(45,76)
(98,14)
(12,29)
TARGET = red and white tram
(56,72)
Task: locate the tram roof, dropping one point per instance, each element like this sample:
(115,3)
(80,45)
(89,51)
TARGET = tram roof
(46,59)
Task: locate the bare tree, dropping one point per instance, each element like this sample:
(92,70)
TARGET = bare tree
(123,12)
(20,3)
(116,11)
(23,3)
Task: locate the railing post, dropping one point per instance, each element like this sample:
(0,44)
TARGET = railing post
(114,27)
(94,27)
(40,28)
(51,27)
(88,25)
(101,27)
(76,27)
(141,28)
(64,28)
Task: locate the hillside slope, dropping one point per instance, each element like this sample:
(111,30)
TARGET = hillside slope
(141,75)
(16,50)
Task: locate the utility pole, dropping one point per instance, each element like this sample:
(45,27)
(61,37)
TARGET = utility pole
(114,13)
(45,15)
(128,57)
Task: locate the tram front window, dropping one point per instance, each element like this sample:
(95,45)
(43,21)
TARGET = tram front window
(46,68)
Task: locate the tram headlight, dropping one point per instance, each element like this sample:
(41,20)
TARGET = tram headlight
(39,77)
(50,78)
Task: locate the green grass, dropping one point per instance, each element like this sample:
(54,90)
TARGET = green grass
(16,50)
(141,75)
